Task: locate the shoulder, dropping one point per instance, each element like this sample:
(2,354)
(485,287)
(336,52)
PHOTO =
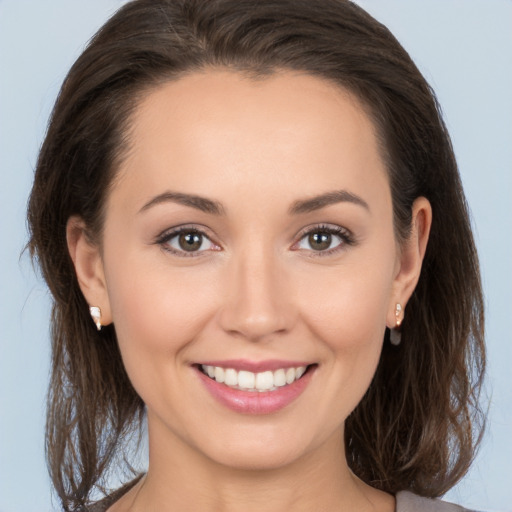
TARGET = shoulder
(409,502)
(405,502)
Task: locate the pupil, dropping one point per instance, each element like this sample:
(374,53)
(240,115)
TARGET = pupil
(190,241)
(320,241)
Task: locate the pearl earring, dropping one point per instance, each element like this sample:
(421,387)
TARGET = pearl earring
(95,312)
(395,336)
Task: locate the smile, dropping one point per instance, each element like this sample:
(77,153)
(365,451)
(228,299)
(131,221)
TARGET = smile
(249,381)
(255,388)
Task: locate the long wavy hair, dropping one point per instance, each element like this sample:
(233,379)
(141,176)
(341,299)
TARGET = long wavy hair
(419,422)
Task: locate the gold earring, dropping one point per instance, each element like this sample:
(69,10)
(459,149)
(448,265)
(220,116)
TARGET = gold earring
(398,311)
(395,336)
(95,312)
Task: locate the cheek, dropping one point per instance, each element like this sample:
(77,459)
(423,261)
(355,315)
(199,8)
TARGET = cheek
(158,310)
(349,310)
(158,313)
(348,314)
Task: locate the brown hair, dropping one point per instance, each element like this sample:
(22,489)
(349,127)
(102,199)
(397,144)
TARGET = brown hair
(419,422)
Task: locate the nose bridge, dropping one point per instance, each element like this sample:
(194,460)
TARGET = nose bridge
(255,305)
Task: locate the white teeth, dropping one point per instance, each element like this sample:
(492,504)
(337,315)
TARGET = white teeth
(249,381)
(264,381)
(230,377)
(279,378)
(246,380)
(219,374)
(300,372)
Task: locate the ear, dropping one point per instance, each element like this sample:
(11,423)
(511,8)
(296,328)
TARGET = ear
(410,259)
(86,257)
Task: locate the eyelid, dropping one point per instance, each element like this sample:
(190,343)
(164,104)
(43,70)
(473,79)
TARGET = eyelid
(168,234)
(346,236)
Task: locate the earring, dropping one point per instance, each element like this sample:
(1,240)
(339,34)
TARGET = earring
(395,336)
(96,316)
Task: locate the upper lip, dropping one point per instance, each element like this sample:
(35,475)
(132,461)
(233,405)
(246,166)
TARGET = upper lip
(255,366)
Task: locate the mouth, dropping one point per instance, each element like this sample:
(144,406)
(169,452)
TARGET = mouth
(271,387)
(259,382)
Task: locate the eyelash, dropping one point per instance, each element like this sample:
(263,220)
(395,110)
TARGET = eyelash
(345,236)
(164,239)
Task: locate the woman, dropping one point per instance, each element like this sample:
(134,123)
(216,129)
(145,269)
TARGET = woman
(252,224)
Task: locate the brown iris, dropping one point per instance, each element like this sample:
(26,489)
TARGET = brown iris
(320,241)
(190,241)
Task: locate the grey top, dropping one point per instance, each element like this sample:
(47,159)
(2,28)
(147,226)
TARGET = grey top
(405,502)
(409,502)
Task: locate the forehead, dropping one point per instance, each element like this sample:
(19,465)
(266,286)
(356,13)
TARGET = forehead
(288,130)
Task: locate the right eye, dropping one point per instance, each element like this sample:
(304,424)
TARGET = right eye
(186,242)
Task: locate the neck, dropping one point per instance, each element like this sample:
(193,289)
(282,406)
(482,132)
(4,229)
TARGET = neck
(181,478)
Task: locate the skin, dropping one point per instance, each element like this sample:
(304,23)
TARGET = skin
(257,291)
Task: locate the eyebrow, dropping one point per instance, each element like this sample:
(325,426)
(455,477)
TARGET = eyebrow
(316,203)
(199,203)
(298,207)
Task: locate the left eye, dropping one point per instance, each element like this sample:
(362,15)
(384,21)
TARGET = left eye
(188,241)
(320,240)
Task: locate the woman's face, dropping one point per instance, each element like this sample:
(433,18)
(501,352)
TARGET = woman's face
(250,233)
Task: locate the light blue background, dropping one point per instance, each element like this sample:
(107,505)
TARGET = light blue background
(464,48)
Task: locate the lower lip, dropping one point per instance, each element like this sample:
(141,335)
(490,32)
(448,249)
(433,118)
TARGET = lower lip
(256,402)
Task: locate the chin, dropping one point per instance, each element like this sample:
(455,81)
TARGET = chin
(271,459)
(263,452)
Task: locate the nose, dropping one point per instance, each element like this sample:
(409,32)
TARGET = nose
(258,304)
